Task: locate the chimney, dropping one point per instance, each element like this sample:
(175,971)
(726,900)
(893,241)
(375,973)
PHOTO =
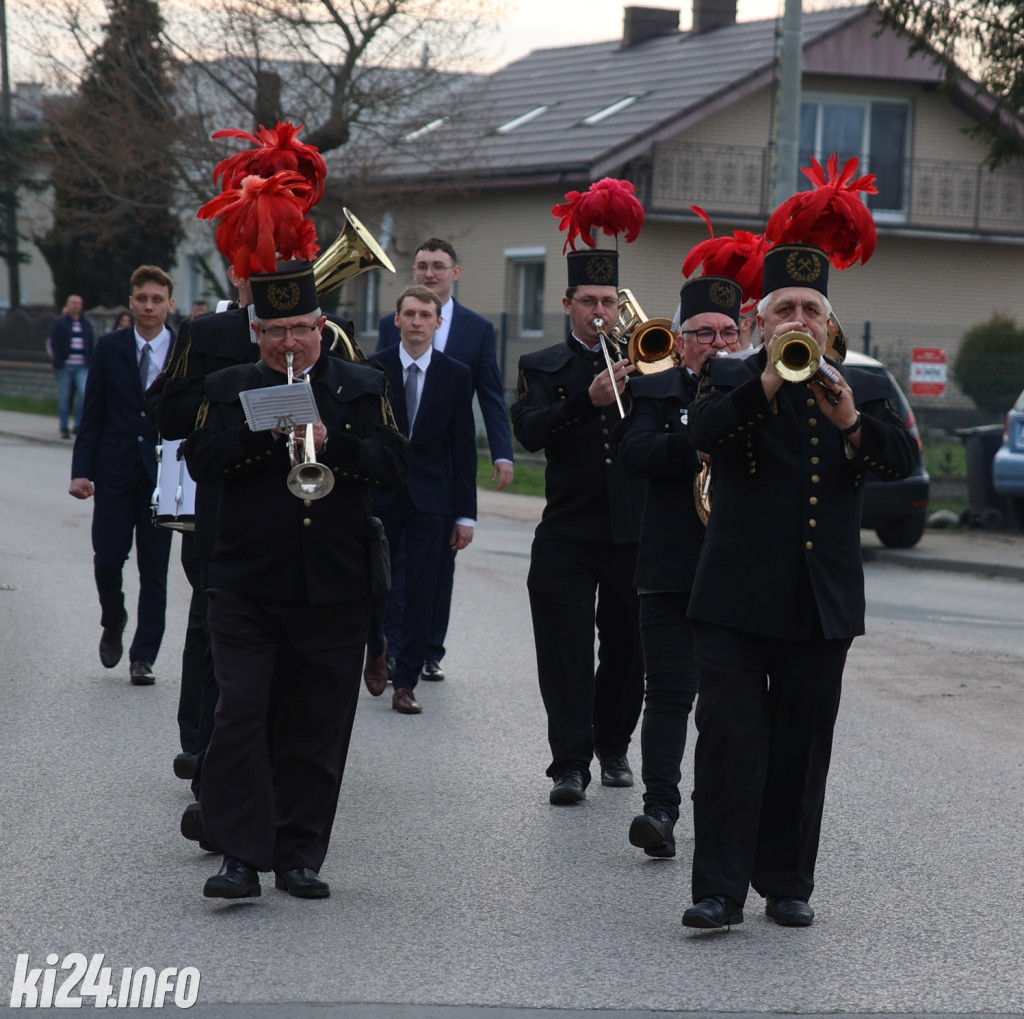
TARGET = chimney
(642,23)
(709,14)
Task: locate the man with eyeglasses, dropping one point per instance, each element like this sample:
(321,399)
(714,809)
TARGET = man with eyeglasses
(290,587)
(654,445)
(584,549)
(468,338)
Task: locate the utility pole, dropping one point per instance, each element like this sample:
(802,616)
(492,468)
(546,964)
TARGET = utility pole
(787,141)
(9,188)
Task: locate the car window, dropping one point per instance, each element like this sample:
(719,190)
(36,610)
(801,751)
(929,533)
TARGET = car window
(1019,405)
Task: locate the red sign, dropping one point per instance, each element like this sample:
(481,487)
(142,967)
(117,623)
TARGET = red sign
(928,371)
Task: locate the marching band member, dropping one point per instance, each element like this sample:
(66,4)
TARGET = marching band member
(654,445)
(290,582)
(788,461)
(585,545)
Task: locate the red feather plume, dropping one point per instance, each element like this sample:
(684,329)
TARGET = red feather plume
(740,257)
(276,149)
(610,205)
(832,216)
(264,220)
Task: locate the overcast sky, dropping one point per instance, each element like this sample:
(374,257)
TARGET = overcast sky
(538,23)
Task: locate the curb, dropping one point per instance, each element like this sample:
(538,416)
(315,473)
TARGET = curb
(1000,570)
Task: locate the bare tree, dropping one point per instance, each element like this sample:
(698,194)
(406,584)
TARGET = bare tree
(987,38)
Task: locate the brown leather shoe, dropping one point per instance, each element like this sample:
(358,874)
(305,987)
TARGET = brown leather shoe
(375,673)
(404,700)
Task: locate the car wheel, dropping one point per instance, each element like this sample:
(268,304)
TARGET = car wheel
(902,532)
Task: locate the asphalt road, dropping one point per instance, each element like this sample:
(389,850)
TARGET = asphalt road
(457,891)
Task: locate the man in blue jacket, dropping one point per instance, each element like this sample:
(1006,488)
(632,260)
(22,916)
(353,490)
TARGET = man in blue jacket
(464,336)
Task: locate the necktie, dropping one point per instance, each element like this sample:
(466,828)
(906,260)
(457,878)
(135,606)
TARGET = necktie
(144,366)
(412,398)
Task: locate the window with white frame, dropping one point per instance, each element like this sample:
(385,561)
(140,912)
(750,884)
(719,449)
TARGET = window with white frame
(876,131)
(525,276)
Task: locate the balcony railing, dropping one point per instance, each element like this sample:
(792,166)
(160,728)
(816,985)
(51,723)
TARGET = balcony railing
(932,195)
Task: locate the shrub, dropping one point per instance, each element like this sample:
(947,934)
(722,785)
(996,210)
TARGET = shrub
(989,366)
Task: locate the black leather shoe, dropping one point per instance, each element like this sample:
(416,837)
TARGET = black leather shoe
(303,883)
(652,831)
(185,766)
(569,787)
(142,674)
(234,880)
(432,670)
(111,647)
(193,829)
(615,771)
(716,911)
(789,912)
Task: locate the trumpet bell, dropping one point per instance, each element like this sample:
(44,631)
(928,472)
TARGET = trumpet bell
(652,346)
(796,356)
(310,480)
(354,251)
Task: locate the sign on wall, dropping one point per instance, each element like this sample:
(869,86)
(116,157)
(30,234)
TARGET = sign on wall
(928,371)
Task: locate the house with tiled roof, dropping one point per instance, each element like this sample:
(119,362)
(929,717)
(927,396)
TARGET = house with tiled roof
(688,117)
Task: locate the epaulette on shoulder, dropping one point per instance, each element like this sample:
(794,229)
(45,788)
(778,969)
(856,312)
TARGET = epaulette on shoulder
(731,371)
(224,386)
(658,386)
(547,360)
(349,380)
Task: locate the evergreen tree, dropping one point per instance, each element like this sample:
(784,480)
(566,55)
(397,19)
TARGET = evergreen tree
(111,178)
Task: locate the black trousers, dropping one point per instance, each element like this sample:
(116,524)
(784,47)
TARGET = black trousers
(269,795)
(197,697)
(765,716)
(670,686)
(122,512)
(574,585)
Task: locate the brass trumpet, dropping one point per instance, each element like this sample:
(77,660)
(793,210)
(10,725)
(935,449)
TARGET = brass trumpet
(307,479)
(797,358)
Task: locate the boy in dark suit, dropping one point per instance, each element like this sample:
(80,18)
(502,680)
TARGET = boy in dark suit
(114,459)
(468,338)
(432,397)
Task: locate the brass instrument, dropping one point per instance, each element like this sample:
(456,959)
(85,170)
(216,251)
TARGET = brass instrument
(836,345)
(797,358)
(702,492)
(606,341)
(354,251)
(652,344)
(307,479)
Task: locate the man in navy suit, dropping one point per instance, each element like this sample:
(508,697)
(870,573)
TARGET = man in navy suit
(432,397)
(467,337)
(114,459)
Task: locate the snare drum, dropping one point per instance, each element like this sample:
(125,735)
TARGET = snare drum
(174,498)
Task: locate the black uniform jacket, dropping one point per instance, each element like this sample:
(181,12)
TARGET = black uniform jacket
(269,543)
(783,541)
(654,444)
(589,496)
(204,345)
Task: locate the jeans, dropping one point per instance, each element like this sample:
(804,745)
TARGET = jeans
(70,377)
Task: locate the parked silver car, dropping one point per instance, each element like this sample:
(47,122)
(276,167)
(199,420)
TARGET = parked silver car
(1008,464)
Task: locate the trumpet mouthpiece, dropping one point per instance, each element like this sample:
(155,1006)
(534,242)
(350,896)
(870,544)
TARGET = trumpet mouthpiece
(599,323)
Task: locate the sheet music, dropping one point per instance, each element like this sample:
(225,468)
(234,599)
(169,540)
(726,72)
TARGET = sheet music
(279,407)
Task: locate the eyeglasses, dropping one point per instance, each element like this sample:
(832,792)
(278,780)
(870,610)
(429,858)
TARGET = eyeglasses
(590,303)
(300,332)
(435,267)
(730,334)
